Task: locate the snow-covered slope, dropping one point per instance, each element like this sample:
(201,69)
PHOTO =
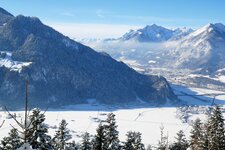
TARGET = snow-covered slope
(6,61)
(204,48)
(178,33)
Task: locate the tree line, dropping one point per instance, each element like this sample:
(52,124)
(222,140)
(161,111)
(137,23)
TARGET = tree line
(203,136)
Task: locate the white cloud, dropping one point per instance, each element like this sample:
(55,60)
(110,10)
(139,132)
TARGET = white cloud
(123,46)
(75,30)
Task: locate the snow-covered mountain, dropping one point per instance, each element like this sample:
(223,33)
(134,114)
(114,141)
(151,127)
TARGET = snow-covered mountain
(155,33)
(150,33)
(178,33)
(203,48)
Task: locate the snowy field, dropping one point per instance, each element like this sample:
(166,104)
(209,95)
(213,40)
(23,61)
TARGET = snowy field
(145,119)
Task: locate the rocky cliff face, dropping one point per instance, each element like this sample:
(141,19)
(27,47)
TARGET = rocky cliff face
(63,72)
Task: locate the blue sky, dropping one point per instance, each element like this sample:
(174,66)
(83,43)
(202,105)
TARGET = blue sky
(102,18)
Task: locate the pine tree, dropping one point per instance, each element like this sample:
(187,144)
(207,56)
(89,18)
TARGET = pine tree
(216,132)
(72,146)
(134,141)
(163,143)
(111,133)
(12,142)
(99,141)
(149,147)
(62,136)
(26,146)
(38,130)
(205,139)
(197,141)
(85,143)
(181,143)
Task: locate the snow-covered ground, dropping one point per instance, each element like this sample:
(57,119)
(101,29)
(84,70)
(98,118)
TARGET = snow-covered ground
(199,96)
(132,63)
(145,119)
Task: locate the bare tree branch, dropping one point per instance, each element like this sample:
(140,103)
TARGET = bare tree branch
(13,117)
(45,110)
(16,129)
(2,123)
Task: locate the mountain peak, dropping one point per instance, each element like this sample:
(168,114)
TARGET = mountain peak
(210,26)
(150,33)
(5,16)
(4,12)
(183,29)
(205,30)
(219,27)
(153,27)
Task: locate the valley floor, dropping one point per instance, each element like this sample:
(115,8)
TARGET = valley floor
(145,119)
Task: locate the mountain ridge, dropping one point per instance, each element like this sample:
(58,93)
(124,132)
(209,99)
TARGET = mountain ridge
(5,16)
(201,49)
(155,33)
(204,45)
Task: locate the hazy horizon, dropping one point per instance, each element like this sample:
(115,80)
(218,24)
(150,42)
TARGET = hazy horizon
(100,19)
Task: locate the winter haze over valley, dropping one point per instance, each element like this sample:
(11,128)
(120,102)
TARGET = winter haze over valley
(94,76)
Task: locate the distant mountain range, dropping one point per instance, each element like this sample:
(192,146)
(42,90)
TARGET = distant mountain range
(201,50)
(64,72)
(154,33)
